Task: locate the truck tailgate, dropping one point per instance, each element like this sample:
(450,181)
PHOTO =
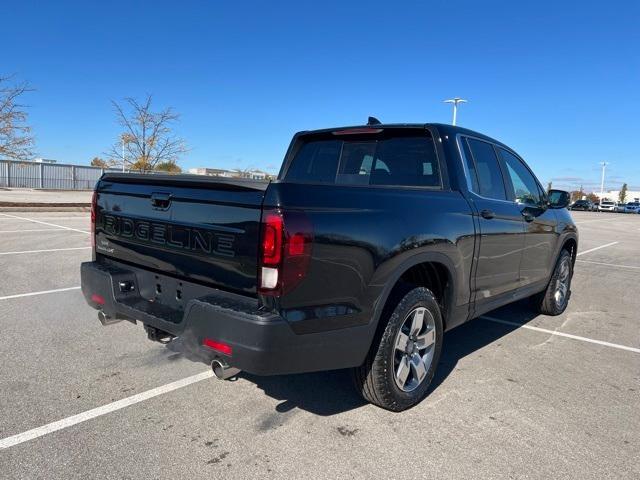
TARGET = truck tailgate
(202,229)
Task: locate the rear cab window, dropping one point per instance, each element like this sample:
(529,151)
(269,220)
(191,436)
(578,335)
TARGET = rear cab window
(395,157)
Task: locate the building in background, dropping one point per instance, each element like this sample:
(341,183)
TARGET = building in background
(44,160)
(214,172)
(614,195)
(234,173)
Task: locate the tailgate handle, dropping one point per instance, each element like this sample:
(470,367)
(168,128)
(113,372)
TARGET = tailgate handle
(160,201)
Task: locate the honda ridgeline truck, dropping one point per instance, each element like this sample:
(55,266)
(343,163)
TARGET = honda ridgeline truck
(373,241)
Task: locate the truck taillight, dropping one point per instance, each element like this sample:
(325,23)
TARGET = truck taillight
(285,251)
(272,238)
(94,201)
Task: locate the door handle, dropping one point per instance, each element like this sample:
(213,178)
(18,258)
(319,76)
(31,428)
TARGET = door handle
(488,214)
(528,217)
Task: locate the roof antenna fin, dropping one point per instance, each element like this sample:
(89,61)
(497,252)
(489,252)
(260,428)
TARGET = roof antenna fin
(373,121)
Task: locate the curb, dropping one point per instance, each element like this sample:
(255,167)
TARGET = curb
(44,207)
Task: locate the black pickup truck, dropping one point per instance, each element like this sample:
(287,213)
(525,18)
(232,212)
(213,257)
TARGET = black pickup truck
(373,241)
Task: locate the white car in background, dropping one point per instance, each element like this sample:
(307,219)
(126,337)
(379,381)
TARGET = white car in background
(632,207)
(607,206)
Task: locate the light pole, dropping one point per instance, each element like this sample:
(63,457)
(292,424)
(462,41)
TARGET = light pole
(604,166)
(455,101)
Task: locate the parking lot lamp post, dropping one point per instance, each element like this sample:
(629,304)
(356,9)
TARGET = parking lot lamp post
(604,166)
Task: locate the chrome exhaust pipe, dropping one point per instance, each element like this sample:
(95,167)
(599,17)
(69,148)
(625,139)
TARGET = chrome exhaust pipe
(222,371)
(106,319)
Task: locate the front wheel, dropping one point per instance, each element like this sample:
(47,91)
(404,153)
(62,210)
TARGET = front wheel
(398,370)
(554,300)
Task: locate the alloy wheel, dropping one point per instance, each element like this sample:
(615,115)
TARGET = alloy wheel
(562,283)
(414,349)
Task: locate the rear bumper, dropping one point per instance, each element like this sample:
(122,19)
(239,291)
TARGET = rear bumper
(262,342)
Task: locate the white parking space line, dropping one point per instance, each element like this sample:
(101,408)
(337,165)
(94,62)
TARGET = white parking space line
(603,219)
(34,230)
(43,251)
(169,387)
(596,248)
(45,223)
(609,264)
(103,410)
(565,335)
(43,292)
(590,221)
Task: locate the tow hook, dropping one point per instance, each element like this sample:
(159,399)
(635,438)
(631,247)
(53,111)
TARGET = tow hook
(158,335)
(222,370)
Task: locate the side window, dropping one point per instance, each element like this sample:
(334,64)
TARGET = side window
(524,184)
(490,182)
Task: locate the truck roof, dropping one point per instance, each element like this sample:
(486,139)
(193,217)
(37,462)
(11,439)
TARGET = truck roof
(440,127)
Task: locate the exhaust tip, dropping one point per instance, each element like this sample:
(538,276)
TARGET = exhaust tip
(106,319)
(222,371)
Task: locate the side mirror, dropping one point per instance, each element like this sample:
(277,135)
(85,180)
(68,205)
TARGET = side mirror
(558,198)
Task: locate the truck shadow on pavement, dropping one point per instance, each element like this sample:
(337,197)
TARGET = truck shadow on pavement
(330,393)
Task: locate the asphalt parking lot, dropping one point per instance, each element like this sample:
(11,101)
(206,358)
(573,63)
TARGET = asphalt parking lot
(515,396)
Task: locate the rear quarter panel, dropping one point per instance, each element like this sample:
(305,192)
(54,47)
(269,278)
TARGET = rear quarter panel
(363,238)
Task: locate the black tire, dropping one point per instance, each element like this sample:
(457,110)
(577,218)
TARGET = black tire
(548,301)
(376,378)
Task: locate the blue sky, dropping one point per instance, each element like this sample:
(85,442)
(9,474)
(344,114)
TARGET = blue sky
(557,81)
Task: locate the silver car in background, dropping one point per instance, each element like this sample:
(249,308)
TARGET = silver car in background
(632,207)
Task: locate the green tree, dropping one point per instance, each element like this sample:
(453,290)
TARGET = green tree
(622,197)
(169,166)
(593,197)
(98,162)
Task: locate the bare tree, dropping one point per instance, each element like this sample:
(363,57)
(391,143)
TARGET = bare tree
(148,138)
(16,140)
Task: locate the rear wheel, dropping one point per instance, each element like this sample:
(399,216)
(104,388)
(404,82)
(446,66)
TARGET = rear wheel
(554,300)
(398,370)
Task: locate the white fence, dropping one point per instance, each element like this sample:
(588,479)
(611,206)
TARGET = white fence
(54,176)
